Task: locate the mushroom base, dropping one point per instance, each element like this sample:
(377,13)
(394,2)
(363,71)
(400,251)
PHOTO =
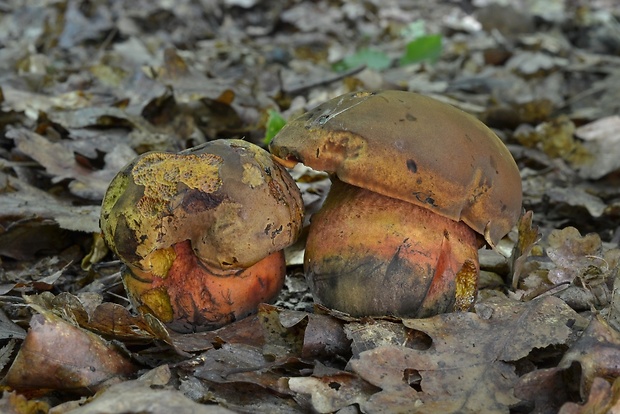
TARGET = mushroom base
(371,255)
(192,297)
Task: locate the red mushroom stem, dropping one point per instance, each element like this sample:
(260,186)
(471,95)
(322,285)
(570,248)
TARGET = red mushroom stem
(361,242)
(194,294)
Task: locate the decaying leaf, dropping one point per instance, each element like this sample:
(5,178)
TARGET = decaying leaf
(60,163)
(467,367)
(28,201)
(148,394)
(105,318)
(597,352)
(603,399)
(528,236)
(66,357)
(593,356)
(602,140)
(331,390)
(375,333)
(302,334)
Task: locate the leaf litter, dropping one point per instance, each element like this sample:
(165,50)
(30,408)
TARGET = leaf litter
(88,85)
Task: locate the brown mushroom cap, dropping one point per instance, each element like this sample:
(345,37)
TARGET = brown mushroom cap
(228,197)
(413,148)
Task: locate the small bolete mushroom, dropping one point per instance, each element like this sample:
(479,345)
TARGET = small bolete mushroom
(416,184)
(202,232)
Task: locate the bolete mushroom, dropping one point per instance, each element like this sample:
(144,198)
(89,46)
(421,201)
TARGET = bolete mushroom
(417,184)
(202,232)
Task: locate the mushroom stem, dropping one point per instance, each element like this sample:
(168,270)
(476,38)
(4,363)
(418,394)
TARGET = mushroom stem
(193,295)
(404,257)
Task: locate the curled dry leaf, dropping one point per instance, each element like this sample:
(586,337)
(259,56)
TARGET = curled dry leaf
(105,318)
(148,394)
(467,367)
(240,377)
(302,334)
(604,398)
(597,352)
(333,391)
(66,357)
(60,162)
(602,140)
(528,236)
(29,201)
(592,357)
(578,259)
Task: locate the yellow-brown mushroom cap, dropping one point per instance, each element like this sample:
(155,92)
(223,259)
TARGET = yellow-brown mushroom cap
(413,148)
(228,197)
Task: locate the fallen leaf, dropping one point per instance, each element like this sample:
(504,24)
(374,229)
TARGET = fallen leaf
(66,357)
(528,236)
(27,201)
(104,318)
(332,390)
(466,368)
(60,162)
(597,352)
(572,253)
(603,399)
(29,238)
(544,390)
(148,394)
(602,140)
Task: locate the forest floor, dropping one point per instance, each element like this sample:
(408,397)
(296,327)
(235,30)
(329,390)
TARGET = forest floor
(86,86)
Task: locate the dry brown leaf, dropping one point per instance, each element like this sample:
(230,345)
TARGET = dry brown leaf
(148,394)
(28,201)
(375,333)
(466,368)
(297,333)
(66,357)
(597,352)
(573,254)
(595,355)
(245,331)
(332,390)
(528,236)
(27,238)
(104,318)
(602,140)
(545,390)
(60,162)
(240,377)
(603,399)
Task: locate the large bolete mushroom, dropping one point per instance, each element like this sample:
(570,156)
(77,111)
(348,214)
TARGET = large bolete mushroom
(417,185)
(201,232)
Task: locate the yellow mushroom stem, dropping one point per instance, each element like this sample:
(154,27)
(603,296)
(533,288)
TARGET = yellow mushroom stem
(371,255)
(193,295)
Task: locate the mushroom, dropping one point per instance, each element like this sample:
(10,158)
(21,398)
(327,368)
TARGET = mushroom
(201,232)
(416,186)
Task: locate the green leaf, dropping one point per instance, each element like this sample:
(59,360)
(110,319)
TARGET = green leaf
(275,122)
(373,59)
(424,48)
